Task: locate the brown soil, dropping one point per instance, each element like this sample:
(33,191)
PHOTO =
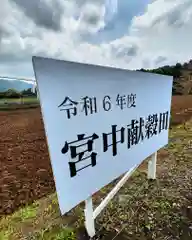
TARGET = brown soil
(181,109)
(25,167)
(25,171)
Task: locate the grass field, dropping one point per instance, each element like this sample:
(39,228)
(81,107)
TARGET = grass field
(18,103)
(24,100)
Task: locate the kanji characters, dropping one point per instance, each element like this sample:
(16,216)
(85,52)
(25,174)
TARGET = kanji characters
(126,101)
(80,143)
(163,121)
(69,106)
(121,101)
(89,105)
(131,100)
(81,150)
(113,135)
(151,125)
(135,132)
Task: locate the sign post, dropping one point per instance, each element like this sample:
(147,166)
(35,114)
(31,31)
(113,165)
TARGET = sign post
(152,164)
(100,123)
(89,217)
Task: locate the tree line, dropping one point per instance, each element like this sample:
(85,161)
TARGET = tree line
(174,70)
(12,93)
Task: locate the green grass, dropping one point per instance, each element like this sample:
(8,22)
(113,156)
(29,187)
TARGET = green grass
(16,103)
(40,220)
(56,233)
(18,100)
(28,212)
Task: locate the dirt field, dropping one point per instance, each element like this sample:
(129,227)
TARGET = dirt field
(25,167)
(181,108)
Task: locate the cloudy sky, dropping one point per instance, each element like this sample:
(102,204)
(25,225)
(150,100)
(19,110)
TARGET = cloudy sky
(130,34)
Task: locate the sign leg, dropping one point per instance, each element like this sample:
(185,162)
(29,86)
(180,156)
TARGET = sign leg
(152,166)
(89,219)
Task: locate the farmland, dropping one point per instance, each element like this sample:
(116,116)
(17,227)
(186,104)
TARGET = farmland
(25,167)
(15,103)
(26,171)
(25,100)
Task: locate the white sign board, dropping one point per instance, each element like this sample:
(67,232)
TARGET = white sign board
(99,123)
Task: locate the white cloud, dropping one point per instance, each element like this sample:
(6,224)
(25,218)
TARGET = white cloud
(111,7)
(91,18)
(161,35)
(164,30)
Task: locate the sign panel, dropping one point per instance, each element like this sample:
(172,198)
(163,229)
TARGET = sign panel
(99,122)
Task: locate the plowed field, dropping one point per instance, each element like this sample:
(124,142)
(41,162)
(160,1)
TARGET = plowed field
(25,172)
(25,167)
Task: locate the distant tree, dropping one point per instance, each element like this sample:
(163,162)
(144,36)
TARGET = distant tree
(178,66)
(160,71)
(28,92)
(176,72)
(12,93)
(143,70)
(185,65)
(2,95)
